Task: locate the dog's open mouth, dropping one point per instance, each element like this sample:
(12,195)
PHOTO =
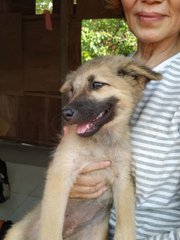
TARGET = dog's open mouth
(90,128)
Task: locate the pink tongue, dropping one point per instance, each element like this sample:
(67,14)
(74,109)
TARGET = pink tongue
(83,128)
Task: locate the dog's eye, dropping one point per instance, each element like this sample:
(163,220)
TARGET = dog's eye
(96,85)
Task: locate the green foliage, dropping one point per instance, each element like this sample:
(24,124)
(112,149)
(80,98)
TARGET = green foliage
(104,37)
(42,5)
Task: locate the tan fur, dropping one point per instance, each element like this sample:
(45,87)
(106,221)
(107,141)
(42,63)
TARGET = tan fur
(111,142)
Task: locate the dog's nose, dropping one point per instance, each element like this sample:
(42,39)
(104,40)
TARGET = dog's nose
(68,113)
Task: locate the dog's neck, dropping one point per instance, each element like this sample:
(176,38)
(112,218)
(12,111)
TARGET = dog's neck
(115,135)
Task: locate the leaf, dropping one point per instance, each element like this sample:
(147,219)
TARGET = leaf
(104,37)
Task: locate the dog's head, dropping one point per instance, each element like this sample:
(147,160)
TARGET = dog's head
(103,92)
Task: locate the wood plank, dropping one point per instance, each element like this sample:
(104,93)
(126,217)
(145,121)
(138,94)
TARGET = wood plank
(41,56)
(21,6)
(30,119)
(56,6)
(64,41)
(8,116)
(11,53)
(38,120)
(74,48)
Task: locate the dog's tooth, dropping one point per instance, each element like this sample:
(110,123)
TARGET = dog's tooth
(89,126)
(92,125)
(100,115)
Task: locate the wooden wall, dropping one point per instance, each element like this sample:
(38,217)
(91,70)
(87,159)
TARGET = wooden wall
(29,79)
(33,65)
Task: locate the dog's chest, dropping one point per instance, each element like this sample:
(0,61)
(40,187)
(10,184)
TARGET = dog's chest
(77,152)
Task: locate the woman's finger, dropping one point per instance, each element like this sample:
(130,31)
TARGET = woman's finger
(78,195)
(96,166)
(88,189)
(88,180)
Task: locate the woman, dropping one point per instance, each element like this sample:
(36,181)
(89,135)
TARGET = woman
(155,123)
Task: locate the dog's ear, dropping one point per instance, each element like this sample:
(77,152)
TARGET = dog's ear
(138,72)
(67,86)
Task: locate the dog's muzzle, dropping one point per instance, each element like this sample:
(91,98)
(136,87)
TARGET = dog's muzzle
(89,115)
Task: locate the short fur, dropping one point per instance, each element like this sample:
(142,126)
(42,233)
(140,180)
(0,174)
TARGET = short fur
(102,95)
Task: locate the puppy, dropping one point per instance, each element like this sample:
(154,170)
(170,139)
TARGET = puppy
(102,95)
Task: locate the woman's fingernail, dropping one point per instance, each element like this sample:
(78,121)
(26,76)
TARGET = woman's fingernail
(107,163)
(104,189)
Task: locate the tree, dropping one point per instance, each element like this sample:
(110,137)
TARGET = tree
(42,5)
(105,37)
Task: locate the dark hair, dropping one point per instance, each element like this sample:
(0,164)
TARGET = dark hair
(115,5)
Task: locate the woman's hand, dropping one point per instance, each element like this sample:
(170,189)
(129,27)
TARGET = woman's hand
(88,185)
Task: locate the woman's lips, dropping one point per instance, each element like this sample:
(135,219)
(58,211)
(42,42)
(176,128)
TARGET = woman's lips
(149,17)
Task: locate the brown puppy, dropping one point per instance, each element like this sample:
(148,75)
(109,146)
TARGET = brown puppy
(102,95)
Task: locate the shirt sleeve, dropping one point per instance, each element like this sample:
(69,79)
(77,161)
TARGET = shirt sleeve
(173,235)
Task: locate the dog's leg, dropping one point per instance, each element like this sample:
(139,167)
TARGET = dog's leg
(124,202)
(53,208)
(58,184)
(27,228)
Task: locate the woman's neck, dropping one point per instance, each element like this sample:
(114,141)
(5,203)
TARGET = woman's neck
(152,54)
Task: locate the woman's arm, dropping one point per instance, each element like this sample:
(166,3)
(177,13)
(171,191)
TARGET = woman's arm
(173,235)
